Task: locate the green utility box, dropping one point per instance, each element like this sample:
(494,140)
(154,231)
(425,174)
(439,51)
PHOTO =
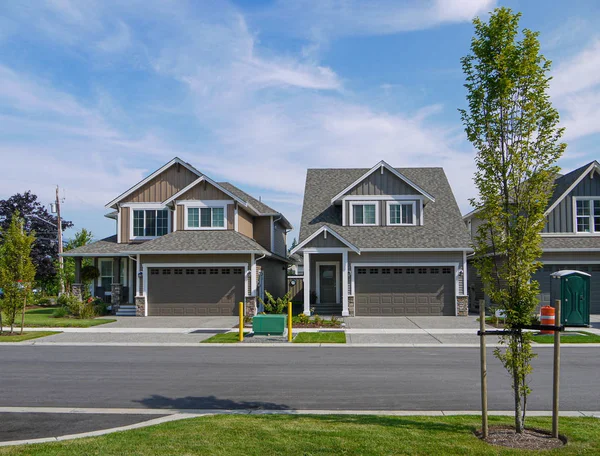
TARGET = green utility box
(573,290)
(269,325)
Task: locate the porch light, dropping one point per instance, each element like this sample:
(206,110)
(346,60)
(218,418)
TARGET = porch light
(140,274)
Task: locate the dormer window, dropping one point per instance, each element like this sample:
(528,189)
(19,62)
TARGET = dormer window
(587,216)
(205,217)
(401,213)
(150,223)
(364,213)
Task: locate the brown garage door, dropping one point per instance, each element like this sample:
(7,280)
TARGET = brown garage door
(195,291)
(409,291)
(542,275)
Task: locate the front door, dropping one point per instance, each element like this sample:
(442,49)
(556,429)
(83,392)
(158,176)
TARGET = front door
(327,284)
(575,303)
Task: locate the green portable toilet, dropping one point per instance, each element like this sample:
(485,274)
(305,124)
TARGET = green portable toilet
(573,290)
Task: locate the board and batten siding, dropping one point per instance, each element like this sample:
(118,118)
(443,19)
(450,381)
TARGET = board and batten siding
(125,212)
(204,191)
(280,240)
(320,241)
(262,231)
(382,184)
(245,223)
(560,220)
(163,186)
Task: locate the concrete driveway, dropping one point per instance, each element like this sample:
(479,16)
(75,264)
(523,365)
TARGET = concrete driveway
(469,322)
(173,322)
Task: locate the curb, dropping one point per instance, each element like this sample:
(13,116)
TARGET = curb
(176,415)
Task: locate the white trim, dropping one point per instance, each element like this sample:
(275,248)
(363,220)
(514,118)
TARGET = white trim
(318,232)
(456,267)
(390,169)
(139,206)
(189,265)
(590,217)
(93,255)
(568,234)
(345,312)
(100,276)
(424,249)
(464,268)
(413,204)
(575,263)
(364,203)
(174,218)
(344,213)
(253,276)
(421,212)
(306,283)
(193,252)
(211,182)
(383,197)
(132,279)
(207,204)
(593,165)
(571,250)
(118,225)
(325,250)
(236,217)
(318,265)
(156,207)
(152,176)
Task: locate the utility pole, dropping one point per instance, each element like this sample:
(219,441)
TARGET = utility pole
(61,266)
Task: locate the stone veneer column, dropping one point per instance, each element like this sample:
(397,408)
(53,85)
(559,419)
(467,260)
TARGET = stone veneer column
(351,306)
(116,298)
(140,306)
(250,306)
(462,306)
(77,290)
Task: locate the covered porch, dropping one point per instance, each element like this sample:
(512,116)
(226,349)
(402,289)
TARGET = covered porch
(326,281)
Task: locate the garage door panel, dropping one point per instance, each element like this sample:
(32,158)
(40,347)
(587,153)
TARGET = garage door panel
(405,292)
(195,291)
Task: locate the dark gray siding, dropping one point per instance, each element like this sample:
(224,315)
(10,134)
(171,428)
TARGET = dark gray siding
(275,276)
(560,220)
(383,211)
(323,257)
(280,242)
(382,184)
(320,241)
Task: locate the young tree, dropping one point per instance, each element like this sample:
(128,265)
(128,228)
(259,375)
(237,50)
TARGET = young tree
(17,271)
(36,219)
(81,238)
(514,129)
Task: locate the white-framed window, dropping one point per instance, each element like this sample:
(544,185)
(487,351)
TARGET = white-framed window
(106,274)
(205,217)
(587,215)
(364,213)
(149,222)
(401,213)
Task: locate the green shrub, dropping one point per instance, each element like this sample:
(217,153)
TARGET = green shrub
(317,319)
(45,301)
(60,312)
(275,306)
(303,319)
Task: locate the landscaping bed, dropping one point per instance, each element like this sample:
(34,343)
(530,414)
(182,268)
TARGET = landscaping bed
(301,321)
(16,337)
(42,318)
(317,435)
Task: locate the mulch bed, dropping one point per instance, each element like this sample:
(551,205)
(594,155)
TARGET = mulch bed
(531,439)
(300,325)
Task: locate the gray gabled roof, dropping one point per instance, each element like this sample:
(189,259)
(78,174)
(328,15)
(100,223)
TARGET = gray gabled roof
(201,241)
(571,243)
(106,246)
(443,226)
(563,183)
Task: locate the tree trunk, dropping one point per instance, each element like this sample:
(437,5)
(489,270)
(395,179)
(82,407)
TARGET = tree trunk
(23,313)
(517,389)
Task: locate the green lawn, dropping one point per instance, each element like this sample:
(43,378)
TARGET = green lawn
(225,338)
(37,318)
(26,336)
(581,337)
(333,337)
(315,435)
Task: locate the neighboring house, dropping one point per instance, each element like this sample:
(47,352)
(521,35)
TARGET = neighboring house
(570,238)
(187,245)
(297,268)
(382,241)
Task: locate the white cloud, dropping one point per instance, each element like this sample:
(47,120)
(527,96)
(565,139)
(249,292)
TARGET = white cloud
(117,41)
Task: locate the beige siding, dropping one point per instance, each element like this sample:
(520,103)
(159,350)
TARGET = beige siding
(125,224)
(180,217)
(245,223)
(163,186)
(382,184)
(204,191)
(262,231)
(230,216)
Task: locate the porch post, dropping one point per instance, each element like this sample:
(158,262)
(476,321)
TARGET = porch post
(253,276)
(78,270)
(345,312)
(306,281)
(139,288)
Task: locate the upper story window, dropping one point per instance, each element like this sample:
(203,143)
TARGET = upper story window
(205,218)
(587,215)
(364,213)
(149,223)
(401,213)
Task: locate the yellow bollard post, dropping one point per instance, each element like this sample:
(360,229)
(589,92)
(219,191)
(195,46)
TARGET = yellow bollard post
(241,321)
(289,321)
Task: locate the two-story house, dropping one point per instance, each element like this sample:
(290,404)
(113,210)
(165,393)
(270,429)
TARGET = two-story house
(570,237)
(383,242)
(187,245)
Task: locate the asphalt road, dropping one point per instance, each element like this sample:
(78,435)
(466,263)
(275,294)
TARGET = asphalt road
(282,378)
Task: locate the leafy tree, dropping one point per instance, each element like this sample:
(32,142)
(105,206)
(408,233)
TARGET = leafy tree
(81,238)
(514,129)
(36,219)
(17,271)
(294,244)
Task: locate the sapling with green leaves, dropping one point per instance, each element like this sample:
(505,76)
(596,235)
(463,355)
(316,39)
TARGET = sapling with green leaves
(515,131)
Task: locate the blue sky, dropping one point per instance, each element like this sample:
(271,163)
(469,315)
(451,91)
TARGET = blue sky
(96,95)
